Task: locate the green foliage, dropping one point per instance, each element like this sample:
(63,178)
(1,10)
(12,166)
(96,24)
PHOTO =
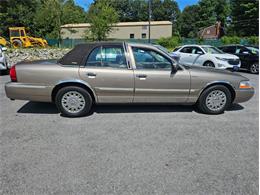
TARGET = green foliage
(40,17)
(169,42)
(253,40)
(17,13)
(58,13)
(101,17)
(137,10)
(230,40)
(245,18)
(204,14)
(187,21)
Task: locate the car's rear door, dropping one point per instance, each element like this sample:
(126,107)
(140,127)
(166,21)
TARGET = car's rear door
(154,79)
(109,74)
(185,57)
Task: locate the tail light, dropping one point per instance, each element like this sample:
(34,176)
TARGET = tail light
(13,74)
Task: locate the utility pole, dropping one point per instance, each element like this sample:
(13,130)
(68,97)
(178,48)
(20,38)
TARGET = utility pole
(150,15)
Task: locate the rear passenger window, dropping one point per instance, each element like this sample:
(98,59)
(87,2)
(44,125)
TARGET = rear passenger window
(107,56)
(94,58)
(186,50)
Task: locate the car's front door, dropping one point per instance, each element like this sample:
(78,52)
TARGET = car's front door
(109,74)
(154,79)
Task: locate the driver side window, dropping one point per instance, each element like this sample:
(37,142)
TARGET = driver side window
(150,59)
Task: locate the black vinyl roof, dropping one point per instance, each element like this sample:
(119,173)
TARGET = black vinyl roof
(78,55)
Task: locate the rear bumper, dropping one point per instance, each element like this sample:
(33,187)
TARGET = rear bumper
(243,95)
(21,91)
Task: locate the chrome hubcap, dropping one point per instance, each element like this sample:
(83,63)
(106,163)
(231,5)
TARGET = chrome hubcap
(216,100)
(73,102)
(254,68)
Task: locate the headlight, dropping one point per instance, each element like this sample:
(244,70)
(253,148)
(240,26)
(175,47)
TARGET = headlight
(245,85)
(222,59)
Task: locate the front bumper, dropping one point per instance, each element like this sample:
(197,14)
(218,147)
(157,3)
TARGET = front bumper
(243,95)
(225,65)
(22,91)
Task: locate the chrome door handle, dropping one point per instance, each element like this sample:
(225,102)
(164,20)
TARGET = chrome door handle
(141,76)
(91,75)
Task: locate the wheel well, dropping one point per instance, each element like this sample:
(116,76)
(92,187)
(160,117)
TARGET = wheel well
(208,61)
(230,88)
(59,86)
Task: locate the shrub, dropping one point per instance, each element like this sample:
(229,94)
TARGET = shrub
(169,42)
(230,40)
(253,40)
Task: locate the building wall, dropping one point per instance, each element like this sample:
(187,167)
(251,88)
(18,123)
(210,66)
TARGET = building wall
(122,32)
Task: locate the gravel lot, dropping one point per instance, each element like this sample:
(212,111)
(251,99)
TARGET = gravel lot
(128,149)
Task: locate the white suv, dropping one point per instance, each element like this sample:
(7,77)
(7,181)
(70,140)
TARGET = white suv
(206,55)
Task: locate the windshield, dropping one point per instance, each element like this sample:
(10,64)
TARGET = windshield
(253,50)
(212,50)
(162,48)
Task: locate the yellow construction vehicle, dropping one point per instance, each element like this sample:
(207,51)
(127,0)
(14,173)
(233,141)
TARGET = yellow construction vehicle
(18,38)
(3,42)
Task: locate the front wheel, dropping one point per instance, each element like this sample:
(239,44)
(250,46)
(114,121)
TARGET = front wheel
(209,64)
(254,68)
(73,101)
(214,100)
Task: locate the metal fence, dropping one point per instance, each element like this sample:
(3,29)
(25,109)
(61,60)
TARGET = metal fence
(69,43)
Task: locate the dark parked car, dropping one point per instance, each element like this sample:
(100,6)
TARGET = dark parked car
(248,55)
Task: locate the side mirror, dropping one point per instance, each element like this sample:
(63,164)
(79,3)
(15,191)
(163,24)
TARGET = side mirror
(200,53)
(174,68)
(4,48)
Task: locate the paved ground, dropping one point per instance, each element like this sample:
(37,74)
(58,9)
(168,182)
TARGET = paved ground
(128,150)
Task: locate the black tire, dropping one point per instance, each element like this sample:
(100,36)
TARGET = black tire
(17,43)
(254,68)
(209,64)
(83,94)
(206,94)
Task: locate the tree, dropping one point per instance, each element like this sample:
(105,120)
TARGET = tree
(72,13)
(245,18)
(17,13)
(101,17)
(188,21)
(204,14)
(59,12)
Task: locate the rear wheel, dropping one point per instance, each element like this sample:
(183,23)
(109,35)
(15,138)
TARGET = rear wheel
(254,68)
(73,101)
(209,64)
(214,100)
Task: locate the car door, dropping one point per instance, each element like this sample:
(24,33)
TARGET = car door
(244,55)
(109,74)
(154,79)
(185,55)
(190,55)
(197,56)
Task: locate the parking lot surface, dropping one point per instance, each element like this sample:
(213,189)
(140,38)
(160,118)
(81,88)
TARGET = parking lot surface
(128,149)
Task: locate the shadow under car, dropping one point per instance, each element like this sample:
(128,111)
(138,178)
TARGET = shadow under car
(50,108)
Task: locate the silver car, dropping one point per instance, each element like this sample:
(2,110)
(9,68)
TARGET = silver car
(119,72)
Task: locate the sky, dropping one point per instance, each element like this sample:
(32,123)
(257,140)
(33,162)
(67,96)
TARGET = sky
(181,3)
